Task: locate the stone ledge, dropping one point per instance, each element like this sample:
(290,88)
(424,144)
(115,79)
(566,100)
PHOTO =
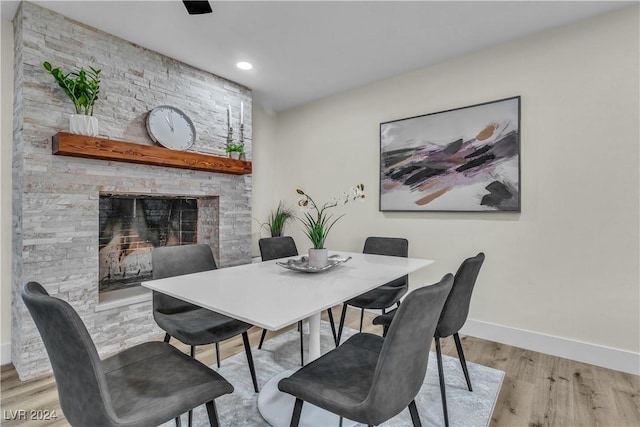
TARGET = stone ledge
(122,298)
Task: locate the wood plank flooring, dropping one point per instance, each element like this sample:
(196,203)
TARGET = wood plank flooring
(538,389)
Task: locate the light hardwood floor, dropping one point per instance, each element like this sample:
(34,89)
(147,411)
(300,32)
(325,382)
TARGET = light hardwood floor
(538,389)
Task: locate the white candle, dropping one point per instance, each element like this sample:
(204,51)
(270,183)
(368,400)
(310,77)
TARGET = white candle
(241,112)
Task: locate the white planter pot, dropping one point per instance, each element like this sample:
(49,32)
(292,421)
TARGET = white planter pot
(318,258)
(234,155)
(82,124)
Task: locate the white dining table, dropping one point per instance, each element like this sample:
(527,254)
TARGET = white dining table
(272,297)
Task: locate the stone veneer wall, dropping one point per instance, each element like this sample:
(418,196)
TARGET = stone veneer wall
(55,216)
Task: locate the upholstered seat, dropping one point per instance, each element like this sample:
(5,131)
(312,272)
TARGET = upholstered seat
(187,326)
(145,385)
(187,322)
(369,379)
(454,315)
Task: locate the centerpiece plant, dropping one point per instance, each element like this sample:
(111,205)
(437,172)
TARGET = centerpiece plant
(317,221)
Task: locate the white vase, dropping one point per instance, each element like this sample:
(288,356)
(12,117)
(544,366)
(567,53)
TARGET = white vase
(234,155)
(318,258)
(81,124)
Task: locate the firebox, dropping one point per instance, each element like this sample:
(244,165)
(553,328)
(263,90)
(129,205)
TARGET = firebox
(130,226)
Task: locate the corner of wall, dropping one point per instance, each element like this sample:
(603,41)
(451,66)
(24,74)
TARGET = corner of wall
(6,147)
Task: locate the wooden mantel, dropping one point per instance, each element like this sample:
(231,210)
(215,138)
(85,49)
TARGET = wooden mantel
(68,144)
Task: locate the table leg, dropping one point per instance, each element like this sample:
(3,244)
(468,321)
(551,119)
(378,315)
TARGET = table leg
(314,337)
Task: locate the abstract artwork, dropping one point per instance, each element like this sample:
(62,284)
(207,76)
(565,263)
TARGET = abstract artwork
(466,159)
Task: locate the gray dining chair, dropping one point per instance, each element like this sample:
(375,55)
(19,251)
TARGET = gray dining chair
(384,296)
(145,385)
(189,323)
(454,315)
(370,379)
(281,247)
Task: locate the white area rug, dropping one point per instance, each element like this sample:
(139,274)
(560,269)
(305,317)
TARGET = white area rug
(240,408)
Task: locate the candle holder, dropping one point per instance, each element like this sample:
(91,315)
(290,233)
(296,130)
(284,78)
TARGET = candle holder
(233,149)
(229,135)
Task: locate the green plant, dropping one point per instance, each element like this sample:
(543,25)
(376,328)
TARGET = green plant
(81,86)
(237,148)
(316,221)
(277,220)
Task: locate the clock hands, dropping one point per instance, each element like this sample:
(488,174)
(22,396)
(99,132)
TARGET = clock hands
(169,120)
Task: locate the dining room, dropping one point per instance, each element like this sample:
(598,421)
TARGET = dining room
(516,139)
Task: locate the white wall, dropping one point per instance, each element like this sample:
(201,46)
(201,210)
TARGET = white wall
(264,130)
(6,144)
(567,266)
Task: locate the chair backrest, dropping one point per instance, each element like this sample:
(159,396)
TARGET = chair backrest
(392,246)
(402,363)
(277,247)
(456,309)
(81,384)
(170,261)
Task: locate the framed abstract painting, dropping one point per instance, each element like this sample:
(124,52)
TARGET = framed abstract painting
(465,159)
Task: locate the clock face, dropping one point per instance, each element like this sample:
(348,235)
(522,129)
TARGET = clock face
(171,128)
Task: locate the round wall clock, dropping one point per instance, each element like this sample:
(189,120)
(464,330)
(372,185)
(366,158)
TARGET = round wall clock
(171,128)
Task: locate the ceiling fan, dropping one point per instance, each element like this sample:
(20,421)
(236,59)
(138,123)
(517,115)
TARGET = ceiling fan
(197,7)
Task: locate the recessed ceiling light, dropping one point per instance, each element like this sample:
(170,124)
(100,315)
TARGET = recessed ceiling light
(244,65)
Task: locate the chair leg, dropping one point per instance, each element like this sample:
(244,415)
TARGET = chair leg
(178,422)
(247,349)
(193,351)
(301,329)
(218,353)
(167,337)
(341,325)
(385,329)
(190,418)
(264,334)
(333,326)
(361,318)
(415,418)
(463,361)
(442,386)
(213,414)
(297,409)
(398,304)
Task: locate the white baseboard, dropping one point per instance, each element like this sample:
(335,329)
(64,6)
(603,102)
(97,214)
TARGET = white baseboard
(5,353)
(607,357)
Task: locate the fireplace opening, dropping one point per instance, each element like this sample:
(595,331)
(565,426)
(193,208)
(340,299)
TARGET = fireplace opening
(131,226)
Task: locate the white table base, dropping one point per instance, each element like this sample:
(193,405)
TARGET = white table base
(276,407)
(314,337)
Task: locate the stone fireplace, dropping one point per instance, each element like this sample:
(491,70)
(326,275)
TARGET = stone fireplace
(58,228)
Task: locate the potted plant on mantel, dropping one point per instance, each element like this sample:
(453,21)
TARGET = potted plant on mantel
(317,222)
(82,87)
(235,150)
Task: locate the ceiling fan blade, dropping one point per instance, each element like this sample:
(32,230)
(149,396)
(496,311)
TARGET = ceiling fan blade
(197,7)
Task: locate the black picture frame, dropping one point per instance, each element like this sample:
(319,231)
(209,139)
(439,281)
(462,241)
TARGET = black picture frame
(464,159)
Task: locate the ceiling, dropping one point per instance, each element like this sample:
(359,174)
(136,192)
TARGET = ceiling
(306,50)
